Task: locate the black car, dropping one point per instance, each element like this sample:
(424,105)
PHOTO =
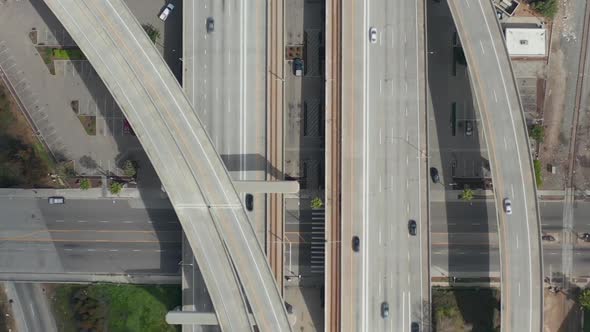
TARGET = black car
(356,243)
(548,238)
(412,227)
(210,25)
(415,327)
(298,67)
(434,175)
(384,309)
(249,202)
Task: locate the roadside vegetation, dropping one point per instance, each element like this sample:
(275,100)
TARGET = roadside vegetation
(114,308)
(48,54)
(465,309)
(115,188)
(317,203)
(547,8)
(152,32)
(467,194)
(24,162)
(538,133)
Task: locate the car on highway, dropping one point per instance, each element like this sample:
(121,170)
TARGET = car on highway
(468,128)
(56,200)
(167,10)
(210,24)
(373,35)
(412,227)
(356,243)
(434,175)
(415,327)
(384,309)
(249,202)
(298,67)
(507,206)
(548,238)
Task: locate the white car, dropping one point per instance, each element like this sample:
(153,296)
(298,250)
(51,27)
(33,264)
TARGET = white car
(507,206)
(166,12)
(373,35)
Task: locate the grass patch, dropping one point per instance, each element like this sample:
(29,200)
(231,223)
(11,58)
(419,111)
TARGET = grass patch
(68,54)
(586,320)
(114,308)
(465,309)
(89,123)
(538,172)
(547,8)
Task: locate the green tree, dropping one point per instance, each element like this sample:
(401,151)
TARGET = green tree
(467,194)
(85,184)
(317,203)
(129,168)
(116,188)
(584,299)
(547,8)
(538,133)
(152,32)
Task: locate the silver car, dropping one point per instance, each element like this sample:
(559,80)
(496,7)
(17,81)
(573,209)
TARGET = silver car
(373,35)
(507,206)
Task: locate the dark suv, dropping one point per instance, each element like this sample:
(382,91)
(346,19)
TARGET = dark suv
(412,227)
(356,243)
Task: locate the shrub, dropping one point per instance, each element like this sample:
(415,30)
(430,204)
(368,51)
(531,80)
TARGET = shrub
(547,8)
(317,203)
(538,133)
(151,31)
(584,299)
(85,184)
(467,194)
(129,168)
(116,188)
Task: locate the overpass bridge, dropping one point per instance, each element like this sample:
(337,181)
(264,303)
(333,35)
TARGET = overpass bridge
(506,136)
(233,264)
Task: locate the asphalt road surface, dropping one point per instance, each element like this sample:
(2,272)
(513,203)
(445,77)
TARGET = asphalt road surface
(87,237)
(224,73)
(383,184)
(510,159)
(182,153)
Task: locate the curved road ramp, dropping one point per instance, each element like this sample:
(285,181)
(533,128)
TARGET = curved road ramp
(510,158)
(199,187)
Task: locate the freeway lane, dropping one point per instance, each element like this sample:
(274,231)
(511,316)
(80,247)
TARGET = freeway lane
(198,184)
(510,160)
(383,169)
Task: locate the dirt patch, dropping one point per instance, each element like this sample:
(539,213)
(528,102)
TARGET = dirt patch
(560,313)
(6,316)
(555,148)
(89,123)
(526,10)
(465,309)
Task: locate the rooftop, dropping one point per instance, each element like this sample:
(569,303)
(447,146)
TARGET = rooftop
(526,42)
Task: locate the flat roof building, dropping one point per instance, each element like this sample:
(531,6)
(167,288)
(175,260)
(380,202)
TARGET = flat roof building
(526,42)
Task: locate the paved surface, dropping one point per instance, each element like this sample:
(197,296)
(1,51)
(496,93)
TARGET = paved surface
(47,97)
(31,306)
(176,141)
(224,81)
(86,239)
(382,167)
(506,137)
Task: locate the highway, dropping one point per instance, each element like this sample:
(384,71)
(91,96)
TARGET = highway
(224,81)
(199,187)
(510,159)
(383,168)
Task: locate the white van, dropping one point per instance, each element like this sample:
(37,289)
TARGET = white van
(56,200)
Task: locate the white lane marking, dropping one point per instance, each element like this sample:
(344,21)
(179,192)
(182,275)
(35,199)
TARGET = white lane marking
(136,250)
(409,308)
(482,49)
(505,144)
(380,184)
(68,249)
(380,137)
(128,222)
(407,184)
(379,288)
(525,208)
(408,256)
(59,221)
(91,249)
(512,190)
(406,111)
(517,242)
(495,96)
(104,221)
(380,237)
(407,160)
(114,250)
(519,289)
(406,63)
(406,86)
(82,221)
(380,87)
(408,208)
(391,182)
(403,311)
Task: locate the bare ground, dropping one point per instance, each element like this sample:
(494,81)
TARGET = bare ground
(560,314)
(555,148)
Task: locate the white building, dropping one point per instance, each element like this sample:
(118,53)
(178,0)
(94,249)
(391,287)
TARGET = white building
(524,42)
